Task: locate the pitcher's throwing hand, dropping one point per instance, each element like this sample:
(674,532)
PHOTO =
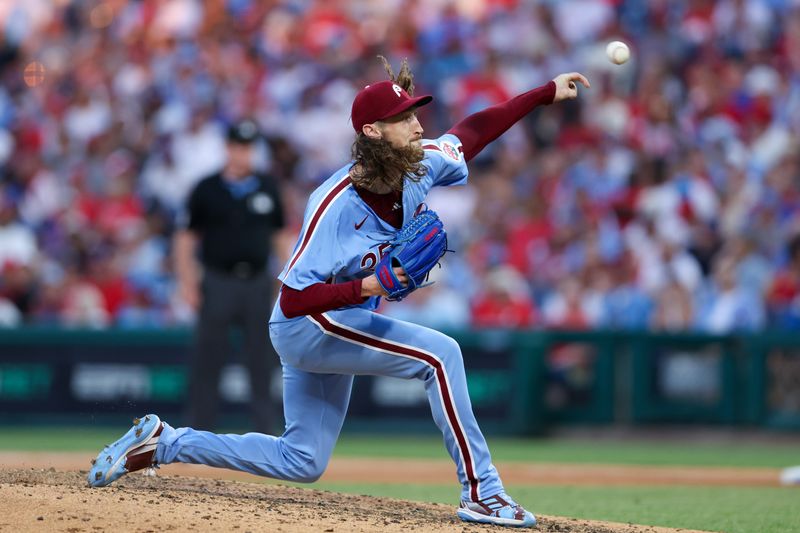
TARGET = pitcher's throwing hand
(566,88)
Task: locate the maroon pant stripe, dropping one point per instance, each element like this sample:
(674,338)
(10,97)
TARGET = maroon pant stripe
(449,405)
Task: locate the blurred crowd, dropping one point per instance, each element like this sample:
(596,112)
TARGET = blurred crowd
(667,197)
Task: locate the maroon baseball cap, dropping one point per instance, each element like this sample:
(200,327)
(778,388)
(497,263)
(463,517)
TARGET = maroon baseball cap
(382,100)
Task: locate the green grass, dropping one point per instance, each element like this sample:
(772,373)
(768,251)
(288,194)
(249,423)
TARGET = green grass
(503,450)
(56,439)
(729,509)
(584,451)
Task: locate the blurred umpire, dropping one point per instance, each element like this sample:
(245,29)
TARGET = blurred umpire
(232,216)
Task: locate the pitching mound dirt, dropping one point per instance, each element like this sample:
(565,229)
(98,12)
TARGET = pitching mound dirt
(51,500)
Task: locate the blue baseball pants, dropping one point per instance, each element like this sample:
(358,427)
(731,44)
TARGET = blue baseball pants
(320,355)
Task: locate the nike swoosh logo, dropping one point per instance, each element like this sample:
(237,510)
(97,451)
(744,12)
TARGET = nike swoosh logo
(358,226)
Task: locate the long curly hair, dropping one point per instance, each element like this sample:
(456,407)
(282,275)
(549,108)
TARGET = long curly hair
(376,160)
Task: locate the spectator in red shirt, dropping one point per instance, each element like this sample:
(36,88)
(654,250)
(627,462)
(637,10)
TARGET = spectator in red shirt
(505,301)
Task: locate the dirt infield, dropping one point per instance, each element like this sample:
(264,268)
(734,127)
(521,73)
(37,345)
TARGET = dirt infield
(47,492)
(52,500)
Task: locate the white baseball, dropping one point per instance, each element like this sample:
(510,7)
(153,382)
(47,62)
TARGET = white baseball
(790,475)
(618,52)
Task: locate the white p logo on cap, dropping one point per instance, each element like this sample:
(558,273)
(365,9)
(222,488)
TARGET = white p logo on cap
(397,90)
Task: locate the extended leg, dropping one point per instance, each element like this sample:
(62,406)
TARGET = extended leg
(314,407)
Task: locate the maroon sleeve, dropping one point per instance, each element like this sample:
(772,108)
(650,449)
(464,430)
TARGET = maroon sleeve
(481,128)
(319,298)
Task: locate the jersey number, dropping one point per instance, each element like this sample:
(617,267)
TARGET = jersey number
(369,260)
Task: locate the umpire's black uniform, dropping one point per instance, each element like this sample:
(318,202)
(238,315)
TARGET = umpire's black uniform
(234,221)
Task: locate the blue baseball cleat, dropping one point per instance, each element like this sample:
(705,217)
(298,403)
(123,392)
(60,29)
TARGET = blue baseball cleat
(499,510)
(134,451)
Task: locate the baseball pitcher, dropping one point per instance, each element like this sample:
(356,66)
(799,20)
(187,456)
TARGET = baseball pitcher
(366,236)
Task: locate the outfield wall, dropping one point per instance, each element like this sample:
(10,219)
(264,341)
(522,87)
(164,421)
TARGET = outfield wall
(520,383)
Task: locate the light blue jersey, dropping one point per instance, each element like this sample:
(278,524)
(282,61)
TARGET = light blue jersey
(321,353)
(341,235)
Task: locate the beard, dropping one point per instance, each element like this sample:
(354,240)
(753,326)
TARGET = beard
(377,162)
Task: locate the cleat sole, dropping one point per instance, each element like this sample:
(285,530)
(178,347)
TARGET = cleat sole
(116,454)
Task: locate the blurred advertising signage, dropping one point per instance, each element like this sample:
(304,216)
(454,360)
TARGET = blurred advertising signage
(20,382)
(104,373)
(112,382)
(109,382)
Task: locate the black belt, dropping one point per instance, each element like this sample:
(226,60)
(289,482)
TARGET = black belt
(240,270)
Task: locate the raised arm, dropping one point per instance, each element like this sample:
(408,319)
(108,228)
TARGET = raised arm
(479,129)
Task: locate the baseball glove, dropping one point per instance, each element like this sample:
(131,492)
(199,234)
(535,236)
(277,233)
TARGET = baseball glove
(417,248)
